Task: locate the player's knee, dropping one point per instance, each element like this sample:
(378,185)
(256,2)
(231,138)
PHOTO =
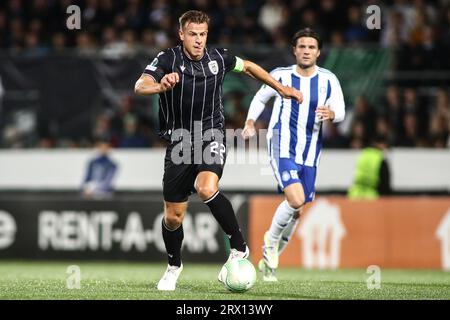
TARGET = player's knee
(206,191)
(173,217)
(173,221)
(296,202)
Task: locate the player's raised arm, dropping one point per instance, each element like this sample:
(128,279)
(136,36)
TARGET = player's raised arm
(146,84)
(157,77)
(255,71)
(256,108)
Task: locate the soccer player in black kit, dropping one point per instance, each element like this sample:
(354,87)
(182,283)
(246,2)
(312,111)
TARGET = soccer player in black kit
(188,79)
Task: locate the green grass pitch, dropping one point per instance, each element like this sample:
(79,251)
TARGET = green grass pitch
(122,280)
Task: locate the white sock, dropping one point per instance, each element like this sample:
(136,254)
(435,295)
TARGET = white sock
(287,234)
(280,220)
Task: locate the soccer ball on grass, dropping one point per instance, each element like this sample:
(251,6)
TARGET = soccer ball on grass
(238,275)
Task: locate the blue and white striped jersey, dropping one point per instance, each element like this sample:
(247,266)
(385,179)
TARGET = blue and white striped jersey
(294,130)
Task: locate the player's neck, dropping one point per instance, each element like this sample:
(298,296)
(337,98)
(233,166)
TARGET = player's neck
(197,58)
(306,72)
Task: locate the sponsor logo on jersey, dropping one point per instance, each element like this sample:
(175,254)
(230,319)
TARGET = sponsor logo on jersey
(152,66)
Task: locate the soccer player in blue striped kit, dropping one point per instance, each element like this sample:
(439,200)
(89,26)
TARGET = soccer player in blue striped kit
(294,138)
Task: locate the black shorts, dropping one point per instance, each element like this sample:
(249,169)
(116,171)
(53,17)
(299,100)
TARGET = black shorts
(182,164)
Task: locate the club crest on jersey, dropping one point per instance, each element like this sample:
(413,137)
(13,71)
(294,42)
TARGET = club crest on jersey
(214,67)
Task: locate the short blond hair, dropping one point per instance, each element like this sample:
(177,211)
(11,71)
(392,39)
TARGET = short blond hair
(193,16)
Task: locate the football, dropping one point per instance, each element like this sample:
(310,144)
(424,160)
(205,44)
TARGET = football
(239,275)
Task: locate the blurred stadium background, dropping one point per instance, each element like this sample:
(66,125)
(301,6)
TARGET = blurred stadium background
(61,89)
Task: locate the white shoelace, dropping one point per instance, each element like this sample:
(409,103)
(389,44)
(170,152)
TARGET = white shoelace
(171,272)
(234,253)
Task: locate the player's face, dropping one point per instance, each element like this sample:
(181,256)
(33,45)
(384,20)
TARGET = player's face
(306,52)
(193,36)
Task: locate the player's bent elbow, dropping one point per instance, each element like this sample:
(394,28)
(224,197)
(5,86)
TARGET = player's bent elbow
(137,88)
(246,64)
(248,67)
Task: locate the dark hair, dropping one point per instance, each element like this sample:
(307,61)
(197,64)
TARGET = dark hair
(380,139)
(306,32)
(102,138)
(193,16)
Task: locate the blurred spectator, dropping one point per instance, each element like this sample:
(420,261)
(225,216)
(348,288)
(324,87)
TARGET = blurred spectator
(148,40)
(112,47)
(356,31)
(116,48)
(46,143)
(101,170)
(395,32)
(128,37)
(132,137)
(163,37)
(372,174)
(85,44)
(364,112)
(417,33)
(18,130)
(90,11)
(384,129)
(361,115)
(134,15)
(337,39)
(106,12)
(442,105)
(332,138)
(33,46)
(309,19)
(3,27)
(417,129)
(59,42)
(126,109)
(334,13)
(159,8)
(392,109)
(235,109)
(16,35)
(407,11)
(102,126)
(439,132)
(273,15)
(357,136)
(440,121)
(409,137)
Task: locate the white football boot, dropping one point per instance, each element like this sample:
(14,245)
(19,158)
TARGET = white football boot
(267,273)
(233,254)
(270,252)
(168,281)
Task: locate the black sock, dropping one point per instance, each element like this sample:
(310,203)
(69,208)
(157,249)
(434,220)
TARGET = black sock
(173,240)
(223,212)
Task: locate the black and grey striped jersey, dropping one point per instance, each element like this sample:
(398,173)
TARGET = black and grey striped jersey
(197,97)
